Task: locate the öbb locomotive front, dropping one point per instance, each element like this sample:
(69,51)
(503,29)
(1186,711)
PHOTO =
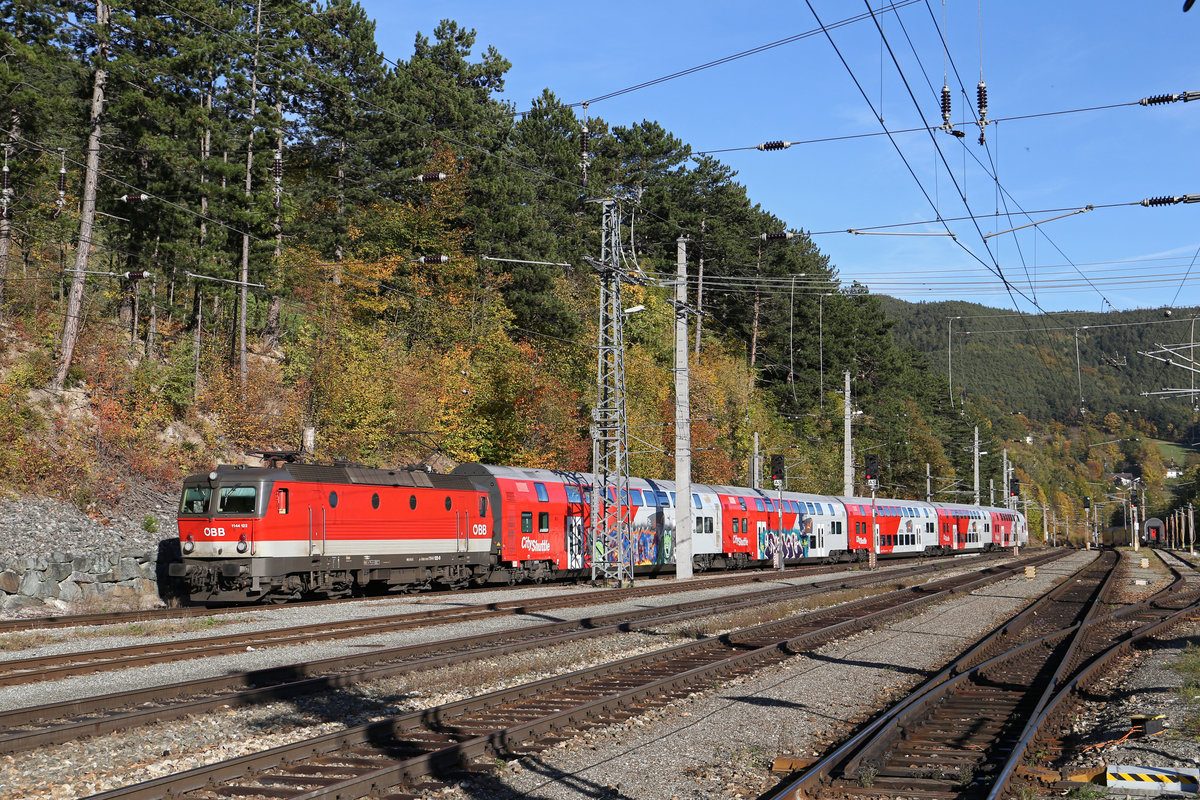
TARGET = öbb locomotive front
(290,530)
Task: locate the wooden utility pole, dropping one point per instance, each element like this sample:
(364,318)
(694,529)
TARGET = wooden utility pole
(87,209)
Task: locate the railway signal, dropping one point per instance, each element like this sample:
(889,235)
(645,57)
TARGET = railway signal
(872,470)
(777,467)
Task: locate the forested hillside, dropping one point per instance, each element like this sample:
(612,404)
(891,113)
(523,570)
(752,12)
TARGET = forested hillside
(1027,364)
(229,223)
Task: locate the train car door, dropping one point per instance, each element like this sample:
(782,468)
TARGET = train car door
(462,524)
(768,551)
(316,534)
(575,542)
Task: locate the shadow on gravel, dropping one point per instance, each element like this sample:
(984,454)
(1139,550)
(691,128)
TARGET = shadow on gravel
(854,662)
(491,787)
(766,702)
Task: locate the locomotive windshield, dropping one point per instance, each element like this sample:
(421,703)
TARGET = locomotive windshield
(195,500)
(237,499)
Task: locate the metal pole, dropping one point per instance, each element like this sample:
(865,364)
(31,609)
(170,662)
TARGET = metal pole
(755,469)
(779,540)
(1191,531)
(950,357)
(1136,543)
(975,453)
(1004,484)
(874,558)
(847,452)
(928,484)
(1078,374)
(683,431)
(821,347)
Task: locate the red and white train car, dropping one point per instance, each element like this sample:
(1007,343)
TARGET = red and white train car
(290,529)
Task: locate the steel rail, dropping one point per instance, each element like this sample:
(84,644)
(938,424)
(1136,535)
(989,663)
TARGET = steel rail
(813,781)
(276,683)
(669,671)
(187,612)
(1055,706)
(815,778)
(41,668)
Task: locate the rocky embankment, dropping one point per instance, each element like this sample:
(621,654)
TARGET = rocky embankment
(55,558)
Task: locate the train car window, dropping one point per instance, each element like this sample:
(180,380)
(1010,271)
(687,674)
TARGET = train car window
(543,495)
(412,502)
(333,499)
(448,503)
(375,500)
(673,503)
(735,525)
(195,500)
(708,524)
(544,522)
(634,495)
(482,507)
(281,501)
(758,504)
(742,503)
(696,501)
(526,522)
(237,499)
(573,495)
(663,500)
(612,495)
(745,525)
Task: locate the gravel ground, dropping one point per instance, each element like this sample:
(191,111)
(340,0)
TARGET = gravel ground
(67,640)
(722,743)
(1144,683)
(99,764)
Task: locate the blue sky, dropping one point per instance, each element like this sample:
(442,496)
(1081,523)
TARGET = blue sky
(1036,58)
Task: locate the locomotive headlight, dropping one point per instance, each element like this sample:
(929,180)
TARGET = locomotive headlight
(241,545)
(188,544)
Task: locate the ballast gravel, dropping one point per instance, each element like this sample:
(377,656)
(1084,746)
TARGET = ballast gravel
(718,744)
(722,743)
(68,640)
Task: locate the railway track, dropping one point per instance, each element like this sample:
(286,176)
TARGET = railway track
(434,746)
(56,723)
(190,612)
(41,668)
(964,733)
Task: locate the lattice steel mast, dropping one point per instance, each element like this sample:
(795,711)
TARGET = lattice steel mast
(612,557)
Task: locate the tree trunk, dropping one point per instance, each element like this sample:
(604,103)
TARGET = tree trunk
(14,133)
(271,330)
(87,211)
(243,370)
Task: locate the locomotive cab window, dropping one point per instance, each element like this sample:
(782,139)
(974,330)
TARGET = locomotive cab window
(195,500)
(482,507)
(237,499)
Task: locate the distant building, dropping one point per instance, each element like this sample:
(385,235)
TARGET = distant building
(1174,471)
(1123,478)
